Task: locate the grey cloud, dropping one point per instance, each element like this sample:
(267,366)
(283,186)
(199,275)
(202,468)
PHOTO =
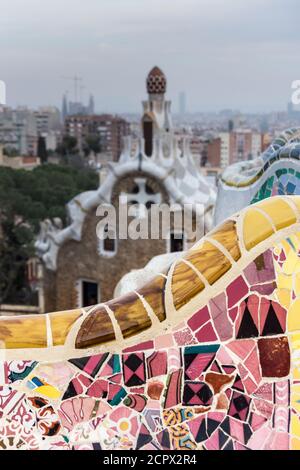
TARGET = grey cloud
(238,53)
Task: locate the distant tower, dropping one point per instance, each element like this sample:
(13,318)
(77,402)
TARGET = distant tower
(91,107)
(182,103)
(64,110)
(156,120)
(264,125)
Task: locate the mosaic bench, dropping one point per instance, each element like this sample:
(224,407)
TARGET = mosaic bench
(276,172)
(205,356)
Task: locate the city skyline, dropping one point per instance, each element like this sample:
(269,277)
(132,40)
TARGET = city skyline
(113,44)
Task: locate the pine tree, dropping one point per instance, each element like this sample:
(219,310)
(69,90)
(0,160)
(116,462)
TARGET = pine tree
(42,150)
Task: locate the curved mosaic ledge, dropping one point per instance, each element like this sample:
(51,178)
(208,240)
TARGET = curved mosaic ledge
(275,173)
(243,174)
(163,302)
(205,356)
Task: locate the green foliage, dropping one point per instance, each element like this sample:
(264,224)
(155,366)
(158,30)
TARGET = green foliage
(15,249)
(26,198)
(68,146)
(43,192)
(10,152)
(92,144)
(42,150)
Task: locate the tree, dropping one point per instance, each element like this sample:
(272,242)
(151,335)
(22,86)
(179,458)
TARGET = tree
(16,246)
(68,146)
(42,150)
(10,151)
(26,198)
(92,144)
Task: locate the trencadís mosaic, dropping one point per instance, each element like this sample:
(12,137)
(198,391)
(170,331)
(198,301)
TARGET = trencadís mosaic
(206,356)
(275,172)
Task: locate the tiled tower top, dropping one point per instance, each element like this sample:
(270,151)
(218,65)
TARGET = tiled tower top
(156,81)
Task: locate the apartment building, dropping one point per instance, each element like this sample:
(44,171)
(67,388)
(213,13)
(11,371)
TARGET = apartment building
(110,129)
(20,128)
(235,146)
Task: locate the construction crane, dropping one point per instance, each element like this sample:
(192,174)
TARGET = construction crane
(81,92)
(77,80)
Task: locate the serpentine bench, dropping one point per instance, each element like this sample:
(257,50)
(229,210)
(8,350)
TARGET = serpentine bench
(205,356)
(276,172)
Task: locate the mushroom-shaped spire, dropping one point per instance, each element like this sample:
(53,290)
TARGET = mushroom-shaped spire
(156,81)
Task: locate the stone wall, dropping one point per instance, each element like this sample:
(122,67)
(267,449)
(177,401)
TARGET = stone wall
(81,259)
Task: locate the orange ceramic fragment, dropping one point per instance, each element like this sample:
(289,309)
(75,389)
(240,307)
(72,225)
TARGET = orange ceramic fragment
(96,329)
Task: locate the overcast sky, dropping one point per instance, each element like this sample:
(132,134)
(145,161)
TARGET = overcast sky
(222,53)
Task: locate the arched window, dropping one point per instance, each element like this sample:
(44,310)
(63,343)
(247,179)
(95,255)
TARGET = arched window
(148,189)
(108,242)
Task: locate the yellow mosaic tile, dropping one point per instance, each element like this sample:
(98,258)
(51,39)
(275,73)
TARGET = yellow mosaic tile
(296,202)
(23,332)
(209,261)
(48,391)
(295,443)
(256,228)
(295,339)
(294,316)
(153,292)
(185,284)
(284,297)
(283,281)
(44,389)
(297,284)
(280,212)
(61,323)
(131,314)
(296,373)
(227,236)
(292,263)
